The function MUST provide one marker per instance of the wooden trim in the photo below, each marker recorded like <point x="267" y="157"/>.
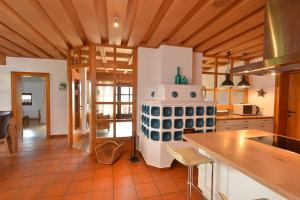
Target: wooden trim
<point x="2" y="59"/>
<point x="14" y="83"/>
<point x="59" y="136"/>
<point x="70" y="100"/>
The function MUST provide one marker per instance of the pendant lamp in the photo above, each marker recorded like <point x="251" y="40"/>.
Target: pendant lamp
<point x="244" y="83"/>
<point x="228" y="82"/>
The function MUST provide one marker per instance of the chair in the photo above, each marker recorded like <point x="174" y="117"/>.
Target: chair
<point x="4" y="120"/>
<point x="190" y="158"/>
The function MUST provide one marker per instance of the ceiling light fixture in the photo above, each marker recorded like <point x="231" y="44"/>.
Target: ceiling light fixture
<point x="116" y="21"/>
<point x="244" y="83"/>
<point x="228" y="82"/>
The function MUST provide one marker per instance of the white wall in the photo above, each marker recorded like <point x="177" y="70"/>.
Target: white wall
<point x="265" y="103"/>
<point x="58" y="98"/>
<point x="36" y="88"/>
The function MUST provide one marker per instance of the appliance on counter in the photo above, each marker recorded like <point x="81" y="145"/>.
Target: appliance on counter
<point x="280" y="142"/>
<point x="245" y="109"/>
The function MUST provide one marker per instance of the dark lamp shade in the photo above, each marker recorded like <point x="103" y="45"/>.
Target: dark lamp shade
<point x="228" y="82"/>
<point x="244" y="83"/>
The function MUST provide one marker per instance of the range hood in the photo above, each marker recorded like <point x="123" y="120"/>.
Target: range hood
<point x="281" y="39"/>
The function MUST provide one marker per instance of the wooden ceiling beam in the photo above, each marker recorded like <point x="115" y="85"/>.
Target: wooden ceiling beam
<point x="2" y="59"/>
<point x="19" y="40"/>
<point x="101" y="13"/>
<point x="10" y="45"/>
<point x="234" y="30"/>
<point x="248" y="51"/>
<point x="172" y="17"/>
<point x="87" y="16"/>
<point x="37" y="20"/>
<point x="231" y="16"/>
<point x="231" y="43"/>
<point x="59" y="16"/>
<point x="116" y="8"/>
<point x="15" y="22"/>
<point x="8" y="52"/>
<point x="205" y="14"/>
<point x="142" y="22"/>
<point x="129" y="19"/>
<point x="254" y="55"/>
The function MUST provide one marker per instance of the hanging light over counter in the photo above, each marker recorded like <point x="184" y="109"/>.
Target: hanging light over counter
<point x="244" y="83"/>
<point x="228" y="82"/>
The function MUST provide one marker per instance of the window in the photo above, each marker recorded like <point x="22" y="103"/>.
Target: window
<point x="27" y="99"/>
<point x="124" y="102"/>
<point x="212" y="77"/>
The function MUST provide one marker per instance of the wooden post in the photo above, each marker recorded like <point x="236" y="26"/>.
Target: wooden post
<point x="70" y="102"/>
<point x="134" y="100"/>
<point x="2" y="59"/>
<point x="92" y="77"/>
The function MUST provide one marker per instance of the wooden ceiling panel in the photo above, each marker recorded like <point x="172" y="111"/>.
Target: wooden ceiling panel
<point x="173" y="16"/>
<point x="231" y="16"/>
<point x="227" y="45"/>
<point x="205" y="14"/>
<point x="8" y="52"/>
<point x="59" y="16"/>
<point x="15" y="22"/>
<point x="101" y="13"/>
<point x="116" y="8"/>
<point x="11" y="35"/>
<point x="87" y="16"/>
<point x="10" y="45"/>
<point x="129" y="19"/>
<point x="30" y="11"/>
<point x="142" y="21"/>
<point x="236" y="29"/>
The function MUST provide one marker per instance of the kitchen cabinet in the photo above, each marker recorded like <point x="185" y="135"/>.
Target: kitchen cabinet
<point x="264" y="124"/>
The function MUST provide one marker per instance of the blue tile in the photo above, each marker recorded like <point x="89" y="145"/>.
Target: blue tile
<point x="155" y="111"/>
<point x="155" y="123"/>
<point x="167" y="111"/>
<point x="178" y="135"/>
<point x="147" y="110"/>
<point x="167" y="124"/>
<point x="189" y="111"/>
<point x="200" y="111"/>
<point x="199" y="122"/>
<point x="178" y="111"/>
<point x="166" y="136"/>
<point x="210" y="122"/>
<point x="154" y="135"/>
<point x="210" y="110"/>
<point x="178" y="123"/>
<point x="189" y="123"/>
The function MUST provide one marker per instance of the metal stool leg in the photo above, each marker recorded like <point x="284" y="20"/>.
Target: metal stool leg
<point x="212" y="181"/>
<point x="189" y="182"/>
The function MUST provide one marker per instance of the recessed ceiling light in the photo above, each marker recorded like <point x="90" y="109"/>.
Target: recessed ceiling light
<point x="116" y="22"/>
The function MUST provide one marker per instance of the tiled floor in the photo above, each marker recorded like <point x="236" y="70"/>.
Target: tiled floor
<point x="47" y="169"/>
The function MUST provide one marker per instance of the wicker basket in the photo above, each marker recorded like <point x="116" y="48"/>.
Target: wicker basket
<point x="108" y="152"/>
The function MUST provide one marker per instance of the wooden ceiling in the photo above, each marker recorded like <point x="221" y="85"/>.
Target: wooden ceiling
<point x="47" y="28"/>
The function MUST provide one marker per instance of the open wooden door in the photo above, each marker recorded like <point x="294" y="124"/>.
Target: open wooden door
<point x="16" y="101"/>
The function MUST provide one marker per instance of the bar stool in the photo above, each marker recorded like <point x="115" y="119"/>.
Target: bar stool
<point x="190" y="158"/>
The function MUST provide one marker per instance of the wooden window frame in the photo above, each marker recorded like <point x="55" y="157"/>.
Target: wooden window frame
<point x="216" y="90"/>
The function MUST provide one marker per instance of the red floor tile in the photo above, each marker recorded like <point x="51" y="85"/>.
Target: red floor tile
<point x="103" y="183"/>
<point x="80" y="186"/>
<point x="146" y="190"/>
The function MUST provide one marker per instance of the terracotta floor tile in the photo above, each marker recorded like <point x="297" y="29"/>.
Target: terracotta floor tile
<point x="9" y="194"/>
<point x="30" y="193"/>
<point x="142" y="177"/>
<point x="63" y="177"/>
<point x="121" y="170"/>
<point x="124" y="193"/>
<point x="181" y="183"/>
<point x="13" y="183"/>
<point x="56" y="189"/>
<point x="161" y="175"/>
<point x="78" y="196"/>
<point x="104" y="172"/>
<point x="54" y="198"/>
<point x="138" y="168"/>
<point x="173" y="196"/>
<point x="166" y="187"/>
<point x="80" y="186"/>
<point x="195" y="195"/>
<point x="102" y="194"/>
<point x="40" y="180"/>
<point x="125" y="180"/>
<point x="153" y="198"/>
<point x="146" y="190"/>
<point x="83" y="175"/>
<point x="102" y="183"/>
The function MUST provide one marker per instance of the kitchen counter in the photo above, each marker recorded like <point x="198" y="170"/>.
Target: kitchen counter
<point x="274" y="168"/>
<point x="237" y="117"/>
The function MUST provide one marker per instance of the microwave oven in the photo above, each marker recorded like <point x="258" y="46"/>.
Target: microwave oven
<point x="245" y="109"/>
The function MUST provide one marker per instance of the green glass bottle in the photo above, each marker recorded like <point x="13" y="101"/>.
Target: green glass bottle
<point x="178" y="76"/>
<point x="184" y="81"/>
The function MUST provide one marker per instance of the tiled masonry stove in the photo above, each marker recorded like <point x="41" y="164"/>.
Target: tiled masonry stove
<point x="169" y="110"/>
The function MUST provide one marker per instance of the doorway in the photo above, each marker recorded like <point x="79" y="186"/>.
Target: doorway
<point x="287" y="105"/>
<point x="30" y="92"/>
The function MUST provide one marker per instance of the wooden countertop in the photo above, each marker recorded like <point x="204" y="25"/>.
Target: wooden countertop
<point x="275" y="168"/>
<point x="236" y="117"/>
